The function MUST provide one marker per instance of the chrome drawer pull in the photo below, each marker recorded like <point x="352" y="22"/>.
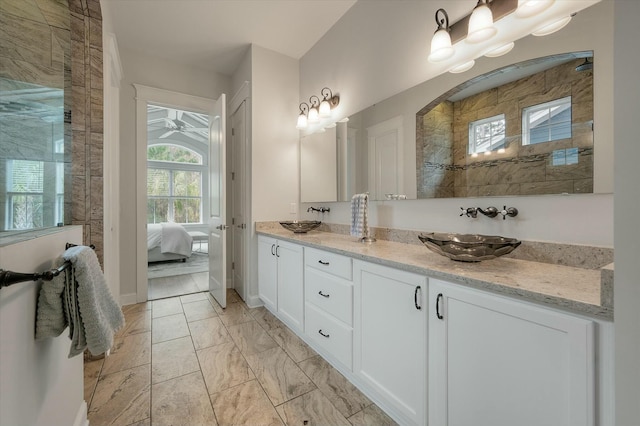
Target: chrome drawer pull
<point x="323" y="263"/>
<point x="322" y="294"/>
<point x="322" y="334"/>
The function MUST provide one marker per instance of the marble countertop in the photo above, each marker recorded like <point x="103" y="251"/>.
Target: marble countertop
<point x="573" y="289"/>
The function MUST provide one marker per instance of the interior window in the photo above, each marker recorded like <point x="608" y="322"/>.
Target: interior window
<point x="487" y="134"/>
<point x="547" y="122"/>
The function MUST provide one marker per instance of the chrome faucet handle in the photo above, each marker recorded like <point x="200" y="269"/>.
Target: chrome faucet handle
<point x="469" y="212"/>
<point x="511" y="212"/>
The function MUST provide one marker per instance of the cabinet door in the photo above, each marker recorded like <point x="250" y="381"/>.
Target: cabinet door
<point x="290" y="284"/>
<point x="496" y="361"/>
<point x="390" y="338"/>
<point x="267" y="272"/>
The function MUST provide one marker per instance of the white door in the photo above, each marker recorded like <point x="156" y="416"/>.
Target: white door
<point x="217" y="219"/>
<point x="290" y="289"/>
<point x="386" y="170"/>
<point x="238" y="194"/>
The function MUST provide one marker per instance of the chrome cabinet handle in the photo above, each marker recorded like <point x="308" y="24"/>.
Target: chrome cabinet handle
<point x="322" y="294"/>
<point x="438" y="314"/>
<point x="322" y="334"/>
<point x="323" y="263"/>
<point x="277" y="251"/>
<point x="415" y="298"/>
<point x="273" y="249"/>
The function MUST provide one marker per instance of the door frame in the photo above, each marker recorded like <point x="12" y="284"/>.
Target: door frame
<point x="244" y="95"/>
<point x="144" y="96"/>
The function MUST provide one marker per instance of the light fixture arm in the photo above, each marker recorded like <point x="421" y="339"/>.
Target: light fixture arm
<point x="314" y="102"/>
<point x="327" y="95"/>
<point x="443" y="21"/>
<point x="304" y="108"/>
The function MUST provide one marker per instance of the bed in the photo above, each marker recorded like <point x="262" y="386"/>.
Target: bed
<point x="168" y="241"/>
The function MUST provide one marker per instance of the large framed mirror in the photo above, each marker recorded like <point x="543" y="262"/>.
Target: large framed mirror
<point x="524" y="129"/>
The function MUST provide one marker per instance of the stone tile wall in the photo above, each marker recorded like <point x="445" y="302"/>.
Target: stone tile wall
<point x="86" y="120"/>
<point x="520" y="170"/>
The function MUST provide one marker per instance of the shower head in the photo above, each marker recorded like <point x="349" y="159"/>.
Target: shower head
<point x="585" y="66"/>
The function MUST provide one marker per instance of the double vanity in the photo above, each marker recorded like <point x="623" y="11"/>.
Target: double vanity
<point x="434" y="341"/>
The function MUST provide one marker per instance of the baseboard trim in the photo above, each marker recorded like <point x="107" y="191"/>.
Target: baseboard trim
<point x="128" y="299"/>
<point x="254" y="301"/>
<point x="81" y="416"/>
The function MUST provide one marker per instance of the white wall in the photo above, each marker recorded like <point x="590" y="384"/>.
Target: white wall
<point x="274" y="143"/>
<point x="161" y="74"/>
<point x="356" y="64"/>
<point x="627" y="231"/>
<point x="39" y="385"/>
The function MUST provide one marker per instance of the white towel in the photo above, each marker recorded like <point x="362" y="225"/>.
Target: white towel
<point x="94" y="315"/>
<point x="51" y="317"/>
<point x="359" y="220"/>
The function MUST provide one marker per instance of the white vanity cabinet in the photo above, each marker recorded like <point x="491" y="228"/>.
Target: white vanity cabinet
<point x="329" y="303"/>
<point x="390" y="338"/>
<point x="496" y="361"/>
<point x="281" y="281"/>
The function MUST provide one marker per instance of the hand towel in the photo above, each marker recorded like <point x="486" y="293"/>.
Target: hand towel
<point x="94" y="313"/>
<point x="359" y="221"/>
<point x="51" y="317"/>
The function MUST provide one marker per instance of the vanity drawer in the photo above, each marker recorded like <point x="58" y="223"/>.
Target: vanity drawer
<point x="329" y="293"/>
<point x="329" y="262"/>
<point x="330" y="334"/>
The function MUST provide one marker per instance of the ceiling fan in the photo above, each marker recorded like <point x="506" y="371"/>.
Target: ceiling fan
<point x="175" y="124"/>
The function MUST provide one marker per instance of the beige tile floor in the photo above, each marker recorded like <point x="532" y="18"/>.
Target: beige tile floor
<point x="186" y="361"/>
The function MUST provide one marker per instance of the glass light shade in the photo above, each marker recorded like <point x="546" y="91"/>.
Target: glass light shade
<point x="302" y="122"/>
<point x="325" y="109"/>
<point x="481" y="25"/>
<point x="499" y="51"/>
<point x="528" y="8"/>
<point x="462" y="68"/>
<point x="313" y="115"/>
<point x="552" y="27"/>
<point x="440" y="46"/>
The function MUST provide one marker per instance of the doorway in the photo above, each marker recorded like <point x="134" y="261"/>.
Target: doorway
<point x="177" y="205"/>
<point x="170" y="109"/>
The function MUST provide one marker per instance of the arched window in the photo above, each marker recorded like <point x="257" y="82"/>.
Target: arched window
<point x="174" y="184"/>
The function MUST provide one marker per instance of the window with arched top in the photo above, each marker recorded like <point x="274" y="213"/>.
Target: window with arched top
<point x="174" y="184"/>
<point x="173" y="154"/>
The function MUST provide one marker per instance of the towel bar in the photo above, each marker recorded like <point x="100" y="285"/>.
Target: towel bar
<point x="8" y="278"/>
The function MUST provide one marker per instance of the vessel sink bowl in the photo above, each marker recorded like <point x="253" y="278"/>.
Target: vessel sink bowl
<point x="469" y="247"/>
<point x="300" y="226"/>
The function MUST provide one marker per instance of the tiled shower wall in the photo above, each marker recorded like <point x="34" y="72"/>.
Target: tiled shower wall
<point x="86" y="119"/>
<point x="445" y="169"/>
<point x="34" y="48"/>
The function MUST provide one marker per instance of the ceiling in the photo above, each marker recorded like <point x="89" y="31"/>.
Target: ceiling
<point x="215" y="34"/>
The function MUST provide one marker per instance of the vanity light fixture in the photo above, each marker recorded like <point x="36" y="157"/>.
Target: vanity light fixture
<point x="552" y="27"/>
<point x="481" y="26"/>
<point x="463" y="67"/>
<point x="302" y="118"/>
<point x="329" y="102"/>
<point x="499" y="51"/>
<point x="528" y="8"/>
<point x="441" y="48"/>
<point x="314" y="115"/>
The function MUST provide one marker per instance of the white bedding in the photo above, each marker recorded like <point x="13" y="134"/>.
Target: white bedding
<point x="171" y="237"/>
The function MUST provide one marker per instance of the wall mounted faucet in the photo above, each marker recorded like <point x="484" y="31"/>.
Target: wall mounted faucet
<point x="319" y="209"/>
<point x="489" y="212"/>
